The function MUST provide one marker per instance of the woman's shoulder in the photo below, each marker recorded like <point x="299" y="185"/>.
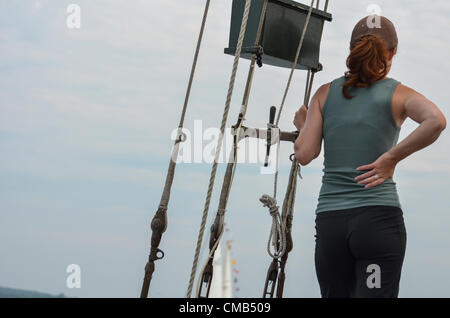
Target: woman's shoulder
<point x="322" y="93"/>
<point x="339" y="80"/>
<point x="323" y="90"/>
<point x="403" y="91"/>
<point x="401" y="97"/>
<point x="389" y="81"/>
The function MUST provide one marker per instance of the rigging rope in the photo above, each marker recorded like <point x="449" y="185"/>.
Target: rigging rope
<point x="210" y="257"/>
<point x="277" y="234"/>
<point x="219" y="145"/>
<point x="159" y="222"/>
<point x="229" y="176"/>
<point x="231" y="167"/>
<point x="277" y="268"/>
<point x="287" y="217"/>
<point x="294" y="65"/>
<point x="194" y="64"/>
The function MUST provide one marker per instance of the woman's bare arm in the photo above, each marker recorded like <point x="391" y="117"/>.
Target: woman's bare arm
<point x="309" y="143"/>
<point x="431" y="123"/>
<point x="427" y="114"/>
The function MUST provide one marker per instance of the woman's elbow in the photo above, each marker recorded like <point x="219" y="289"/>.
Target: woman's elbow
<point x="438" y="123"/>
<point x="443" y="123"/>
<point x="303" y="157"/>
<point x="306" y="152"/>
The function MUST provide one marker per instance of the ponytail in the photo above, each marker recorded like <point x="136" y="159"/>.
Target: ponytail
<point x="367" y="63"/>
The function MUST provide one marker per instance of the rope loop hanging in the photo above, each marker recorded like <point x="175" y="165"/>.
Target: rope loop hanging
<point x="278" y="230"/>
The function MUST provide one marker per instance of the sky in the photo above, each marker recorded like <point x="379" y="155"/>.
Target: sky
<point x="86" y="117"/>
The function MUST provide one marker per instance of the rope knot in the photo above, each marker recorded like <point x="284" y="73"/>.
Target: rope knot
<point x="271" y="203"/>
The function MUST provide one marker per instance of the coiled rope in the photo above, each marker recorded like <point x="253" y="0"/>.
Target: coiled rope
<point x="278" y="230"/>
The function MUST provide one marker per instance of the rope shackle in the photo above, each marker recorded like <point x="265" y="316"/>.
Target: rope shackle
<point x="271" y="279"/>
<point x="206" y="280"/>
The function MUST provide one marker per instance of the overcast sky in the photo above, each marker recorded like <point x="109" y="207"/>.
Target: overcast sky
<point x="85" y="122"/>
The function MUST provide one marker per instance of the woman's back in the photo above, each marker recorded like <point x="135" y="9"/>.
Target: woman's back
<point x="356" y="131"/>
<point x="359" y="224"/>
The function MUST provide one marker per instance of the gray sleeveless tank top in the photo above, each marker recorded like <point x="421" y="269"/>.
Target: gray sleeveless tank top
<point x="356" y="132"/>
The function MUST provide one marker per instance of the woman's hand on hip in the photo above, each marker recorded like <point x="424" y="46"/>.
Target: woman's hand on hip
<point x="379" y="171"/>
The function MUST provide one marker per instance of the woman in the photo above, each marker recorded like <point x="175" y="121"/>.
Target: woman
<point x="360" y="233"/>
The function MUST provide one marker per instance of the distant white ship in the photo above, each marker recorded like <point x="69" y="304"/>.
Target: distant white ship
<point x="221" y="281"/>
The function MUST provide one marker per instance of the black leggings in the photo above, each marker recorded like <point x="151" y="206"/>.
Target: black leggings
<point x="359" y="252"/>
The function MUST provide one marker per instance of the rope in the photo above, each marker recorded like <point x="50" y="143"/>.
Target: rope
<point x="219" y="145"/>
<point x="194" y="65"/>
<point x="171" y="171"/>
<point x="210" y="256"/>
<point x="289" y="200"/>
<point x="248" y="86"/>
<point x="231" y="167"/>
<point x="278" y="231"/>
<point x="308" y="77"/>
<point x="172" y="164"/>
<point x="326" y="6"/>
<point x="287" y="217"/>
<point x="294" y="65"/>
<point x="309" y="88"/>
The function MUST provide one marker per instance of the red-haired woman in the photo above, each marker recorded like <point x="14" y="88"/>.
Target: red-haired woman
<point x="360" y="233"/>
